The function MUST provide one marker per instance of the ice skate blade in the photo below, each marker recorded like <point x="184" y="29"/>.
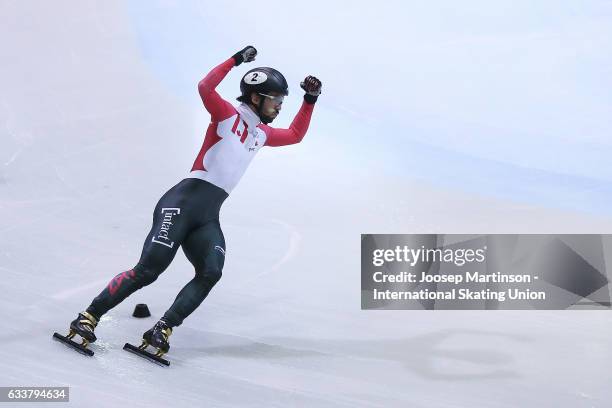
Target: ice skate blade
<point x="145" y="354"/>
<point x="73" y="345"/>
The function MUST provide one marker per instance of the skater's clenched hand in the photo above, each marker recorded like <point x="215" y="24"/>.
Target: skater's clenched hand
<point x="312" y="86"/>
<point x="247" y="54"/>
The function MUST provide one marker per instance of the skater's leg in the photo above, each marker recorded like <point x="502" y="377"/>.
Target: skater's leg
<point x="170" y="226"/>
<point x="205" y="249"/>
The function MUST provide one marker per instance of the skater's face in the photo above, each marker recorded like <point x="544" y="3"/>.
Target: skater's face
<point x="272" y="103"/>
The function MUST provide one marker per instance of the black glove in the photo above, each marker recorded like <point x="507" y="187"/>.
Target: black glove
<point x="247" y="54"/>
<point x="312" y="86"/>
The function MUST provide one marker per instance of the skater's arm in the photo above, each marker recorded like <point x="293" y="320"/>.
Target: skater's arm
<point x="297" y="129"/>
<point x="299" y="126"/>
<point x="218" y="107"/>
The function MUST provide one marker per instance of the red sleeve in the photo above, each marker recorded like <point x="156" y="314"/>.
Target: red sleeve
<point x="218" y="107"/>
<point x="295" y="133"/>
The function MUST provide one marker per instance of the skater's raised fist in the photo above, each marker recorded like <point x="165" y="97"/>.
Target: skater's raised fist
<point x="312" y="86"/>
<point x="247" y="54"/>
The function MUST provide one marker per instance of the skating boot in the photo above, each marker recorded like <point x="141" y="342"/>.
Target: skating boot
<point x="84" y="326"/>
<point x="156" y="337"/>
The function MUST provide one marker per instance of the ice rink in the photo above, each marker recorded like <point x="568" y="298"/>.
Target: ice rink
<point x="100" y="115"/>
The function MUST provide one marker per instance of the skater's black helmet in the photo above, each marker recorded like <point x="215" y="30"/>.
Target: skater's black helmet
<point x="262" y="80"/>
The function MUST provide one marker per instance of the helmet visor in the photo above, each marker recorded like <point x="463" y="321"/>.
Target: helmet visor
<point x="277" y="100"/>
